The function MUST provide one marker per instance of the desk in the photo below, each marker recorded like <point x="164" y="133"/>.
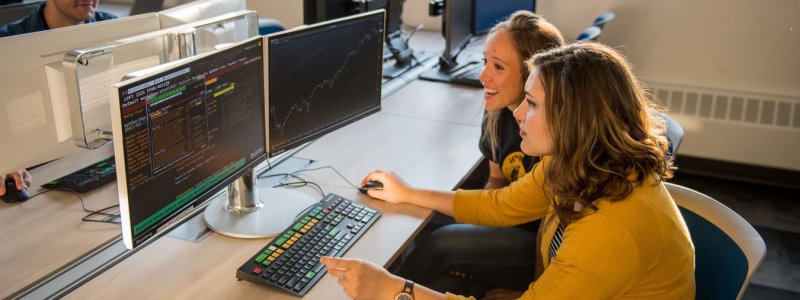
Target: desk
<point x="43" y="234"/>
<point x="430" y="141"/>
<point x="427" y="132"/>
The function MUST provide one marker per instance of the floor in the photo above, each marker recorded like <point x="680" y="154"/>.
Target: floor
<point x="775" y="213"/>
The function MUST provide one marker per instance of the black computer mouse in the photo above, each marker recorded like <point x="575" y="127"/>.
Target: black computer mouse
<point x="371" y="185"/>
<point x="12" y="193"/>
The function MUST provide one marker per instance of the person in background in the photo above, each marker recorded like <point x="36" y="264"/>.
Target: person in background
<point x="22" y="178"/>
<point x="54" y="14"/>
<point x="611" y="229"/>
<point x="451" y="256"/>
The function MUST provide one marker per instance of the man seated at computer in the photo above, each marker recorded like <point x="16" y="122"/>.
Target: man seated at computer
<point x="56" y="14"/>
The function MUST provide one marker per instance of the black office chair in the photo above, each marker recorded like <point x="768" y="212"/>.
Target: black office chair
<point x="146" y="6"/>
<point x="602" y="19"/>
<point x="13" y="12"/>
<point x="591" y="33"/>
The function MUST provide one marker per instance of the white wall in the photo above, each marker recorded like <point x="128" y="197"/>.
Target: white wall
<point x="733" y="48"/>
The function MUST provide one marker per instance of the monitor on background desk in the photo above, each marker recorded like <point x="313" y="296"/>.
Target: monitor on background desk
<point x="457" y="31"/>
<point x="397" y="49"/>
<point x="487" y="13"/>
<point x="34" y="111"/>
<point x="198" y="10"/>
<point x="90" y="71"/>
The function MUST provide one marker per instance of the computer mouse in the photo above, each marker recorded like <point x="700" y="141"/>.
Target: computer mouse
<point x="12" y="193"/>
<point x="371" y="185"/>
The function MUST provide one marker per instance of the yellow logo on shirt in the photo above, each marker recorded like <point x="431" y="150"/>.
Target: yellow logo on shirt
<point x="513" y="167"/>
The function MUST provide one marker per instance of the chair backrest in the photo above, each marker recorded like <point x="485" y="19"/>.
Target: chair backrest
<point x="674" y="134"/>
<point x="268" y="25"/>
<point x="591" y="33"/>
<point x="728" y="250"/>
<point x="146" y="6"/>
<point x="12" y="12"/>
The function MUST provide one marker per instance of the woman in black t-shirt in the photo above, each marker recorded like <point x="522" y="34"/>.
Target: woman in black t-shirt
<point x="469" y="259"/>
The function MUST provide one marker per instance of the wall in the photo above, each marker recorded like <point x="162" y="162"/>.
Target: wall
<point x="728" y="70"/>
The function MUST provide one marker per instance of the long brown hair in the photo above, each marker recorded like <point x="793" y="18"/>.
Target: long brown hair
<point x="607" y="137"/>
<point x="530" y="33"/>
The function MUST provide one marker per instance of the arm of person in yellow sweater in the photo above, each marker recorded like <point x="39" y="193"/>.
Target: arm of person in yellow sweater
<point x="598" y="259"/>
<point x="520" y="202"/>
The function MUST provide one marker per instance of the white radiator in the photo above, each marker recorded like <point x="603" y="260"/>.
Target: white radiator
<point x="750" y="128"/>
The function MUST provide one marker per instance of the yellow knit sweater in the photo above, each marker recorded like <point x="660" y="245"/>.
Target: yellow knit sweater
<point x="635" y="248"/>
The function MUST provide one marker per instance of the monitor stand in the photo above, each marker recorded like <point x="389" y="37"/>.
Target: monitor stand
<point x="255" y="212"/>
<point x="448" y="69"/>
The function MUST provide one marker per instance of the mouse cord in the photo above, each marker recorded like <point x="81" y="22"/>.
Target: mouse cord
<point x="86" y="218"/>
<point x="334" y="170"/>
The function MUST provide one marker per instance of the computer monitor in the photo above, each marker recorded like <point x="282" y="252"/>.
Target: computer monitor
<point x="340" y="64"/>
<point x="456" y="28"/>
<point x="198" y="10"/>
<point x="487" y="13"/>
<point x="396" y="45"/>
<point x="34" y="111"/>
<point x="183" y="133"/>
<point x="319" y="78"/>
<point x="457" y="31"/>
<point x="90" y="71"/>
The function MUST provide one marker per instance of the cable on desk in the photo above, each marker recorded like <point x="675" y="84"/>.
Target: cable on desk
<point x="333" y="169"/>
<point x="303" y="182"/>
<point x="83" y="206"/>
<point x="295" y="184"/>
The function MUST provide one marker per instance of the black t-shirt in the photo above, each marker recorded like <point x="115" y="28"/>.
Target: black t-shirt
<point x="513" y="163"/>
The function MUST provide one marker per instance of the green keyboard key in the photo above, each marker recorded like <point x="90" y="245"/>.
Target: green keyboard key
<point x="261" y="257"/>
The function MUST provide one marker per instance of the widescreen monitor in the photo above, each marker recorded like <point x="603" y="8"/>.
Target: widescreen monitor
<point x="340" y="64"/>
<point x="318" y="78"/>
<point x="34" y="110"/>
<point x="183" y="133"/>
<point x="487" y="13"/>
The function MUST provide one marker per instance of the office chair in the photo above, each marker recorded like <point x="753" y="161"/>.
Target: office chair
<point x="13" y="12"/>
<point x="602" y="19"/>
<point x="268" y="25"/>
<point x="728" y="250"/>
<point x="591" y="33"/>
<point x="146" y="6"/>
<point x="674" y="134"/>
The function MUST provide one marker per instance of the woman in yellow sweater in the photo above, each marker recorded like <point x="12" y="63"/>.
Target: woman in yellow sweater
<point x="611" y="230"/>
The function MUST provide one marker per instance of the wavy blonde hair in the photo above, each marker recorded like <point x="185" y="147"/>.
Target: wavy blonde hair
<point x="530" y="33"/>
<point x="607" y="135"/>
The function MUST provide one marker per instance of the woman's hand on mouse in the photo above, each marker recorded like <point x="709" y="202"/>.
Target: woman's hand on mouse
<point x="395" y="190"/>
